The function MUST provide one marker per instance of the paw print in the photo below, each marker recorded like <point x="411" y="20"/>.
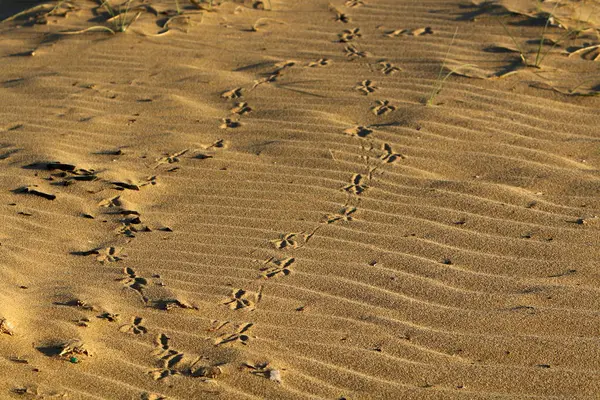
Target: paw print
<point x="321" y="62"/>
<point x="287" y="241"/>
<point x="134" y="282"/>
<point x="353" y="52"/>
<point x="135" y="327"/>
<point x="103" y="255"/>
<point x="232" y="94"/>
<point x="162" y="373"/>
<point x="168" y="357"/>
<point x="388" y="69"/>
<point x="345" y="214"/>
<point x="382" y="107"/>
<point x="360" y="131"/>
<point x="170" y="304"/>
<point x="109" y="254"/>
<point x="268" y="79"/>
<point x="228" y="123"/>
<point x="280" y="67"/>
<point x="389" y="156"/>
<point x="135" y="185"/>
<point x="171" y="158"/>
<point x="241" y="108"/>
<point x="366" y="87"/>
<point x="241" y="299"/>
<point x="265" y="370"/>
<point x="356" y="186"/>
<point x="274" y="267"/>
<point x="341" y="17"/>
<point x="240" y="334"/>
<point x="349" y="35"/>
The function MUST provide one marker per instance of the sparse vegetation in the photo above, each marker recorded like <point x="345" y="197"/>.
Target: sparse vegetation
<point x="442" y="75"/>
<point x="120" y="16"/>
<point x="39" y="14"/>
<point x="540" y="53"/>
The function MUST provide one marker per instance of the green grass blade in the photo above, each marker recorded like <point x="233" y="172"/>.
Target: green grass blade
<point x="439" y="81"/>
<point x="521" y="52"/>
<point x="538" y="61"/>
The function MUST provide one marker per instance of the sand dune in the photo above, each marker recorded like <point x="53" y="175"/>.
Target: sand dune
<point x="363" y="199"/>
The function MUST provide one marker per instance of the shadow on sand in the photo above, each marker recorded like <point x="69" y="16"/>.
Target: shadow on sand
<point x="12" y="7"/>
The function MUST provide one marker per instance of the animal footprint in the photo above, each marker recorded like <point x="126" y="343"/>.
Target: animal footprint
<point x="171" y="359"/>
<point x="341" y="17"/>
<point x="389" y="156"/>
<point x="81" y="304"/>
<point x="291" y="240"/>
<point x="135" y="327"/>
<point x="360" y="131"/>
<point x="354" y="3"/>
<point x="274" y="267"/>
<point x="366" y="87"/>
<point x="111" y="202"/>
<point x="206" y="372"/>
<point x="345" y="214"/>
<point x="239" y="334"/>
<point x="130" y="185"/>
<point x="279" y="67"/>
<point x="232" y="94"/>
<point x="70" y="350"/>
<point x="107" y="254"/>
<point x="170" y="304"/>
<point x="110" y="317"/>
<point x="286" y="241"/>
<point x="382" y="107"/>
<point x="173" y="362"/>
<point x="170" y="158"/>
<point x="162" y="342"/>
<point x="264" y="370"/>
<point x="218" y="325"/>
<point x="227" y="123"/>
<point x="353" y="52"/>
<point x="387" y="68"/>
<point x="241" y="108"/>
<point x="321" y="62"/>
<point x="54" y="165"/>
<point x="168" y="357"/>
<point x="355" y="185"/>
<point x="410" y="32"/>
<point x="395" y="33"/>
<point x="69" y="172"/>
<point x="162" y="373"/>
<point x="241" y="299"/>
<point x="132" y="225"/>
<point x="218" y="144"/>
<point x="349" y="35"/>
<point x="135" y="282"/>
<point x="268" y="79"/>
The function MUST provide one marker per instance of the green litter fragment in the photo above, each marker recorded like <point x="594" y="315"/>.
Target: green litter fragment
<point x="74" y="360"/>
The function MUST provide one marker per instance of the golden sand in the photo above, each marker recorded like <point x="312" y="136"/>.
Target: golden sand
<point x="363" y="199"/>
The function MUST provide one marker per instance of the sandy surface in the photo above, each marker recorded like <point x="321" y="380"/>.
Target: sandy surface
<point x="247" y="203"/>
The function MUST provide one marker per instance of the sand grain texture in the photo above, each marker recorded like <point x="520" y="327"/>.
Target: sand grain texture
<point x="255" y="202"/>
